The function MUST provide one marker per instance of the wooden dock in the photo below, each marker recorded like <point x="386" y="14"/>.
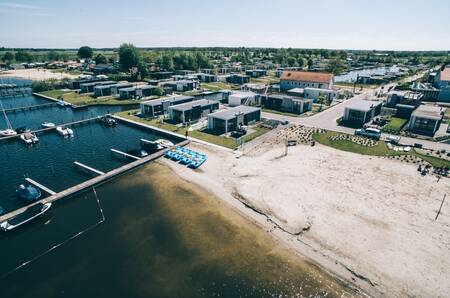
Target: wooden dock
<point x="28" y="108"/>
<point x="43" y="130"/>
<point x="40" y="186"/>
<point x="88" y="169"/>
<point x="92" y="182"/>
<point x="116" y="152"/>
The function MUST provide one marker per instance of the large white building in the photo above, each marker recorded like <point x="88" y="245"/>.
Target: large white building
<point x="306" y="79"/>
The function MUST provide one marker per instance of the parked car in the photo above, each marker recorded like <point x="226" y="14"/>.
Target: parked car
<point x="393" y="139"/>
<point x="369" y="132"/>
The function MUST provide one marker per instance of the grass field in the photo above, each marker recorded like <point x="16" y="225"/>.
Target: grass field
<point x="265" y="80"/>
<point x="85" y="99"/>
<point x="217" y="86"/>
<point x="395" y="125"/>
<point x="279" y="113"/>
<point x="379" y="150"/>
<point x="223" y="141"/>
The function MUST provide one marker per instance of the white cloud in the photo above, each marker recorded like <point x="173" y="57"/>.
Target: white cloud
<point x="22" y="9"/>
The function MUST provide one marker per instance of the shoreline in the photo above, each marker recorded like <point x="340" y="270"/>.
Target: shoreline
<point x="279" y="235"/>
<point x="344" y="263"/>
<point x="36" y="74"/>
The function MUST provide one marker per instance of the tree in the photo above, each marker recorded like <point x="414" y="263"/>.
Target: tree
<point x="167" y="63"/>
<point x="128" y="56"/>
<point x="23" y="56"/>
<point x="291" y="61"/>
<point x="8" y="57"/>
<point x="335" y="66"/>
<point x="53" y="56"/>
<point x="100" y="59"/>
<point x="300" y="62"/>
<point x="323" y="100"/>
<point x="158" y="91"/>
<point x="85" y="52"/>
<point x="310" y="63"/>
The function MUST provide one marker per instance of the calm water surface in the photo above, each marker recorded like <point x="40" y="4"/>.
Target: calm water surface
<point x="352" y="75"/>
<point x="162" y="238"/>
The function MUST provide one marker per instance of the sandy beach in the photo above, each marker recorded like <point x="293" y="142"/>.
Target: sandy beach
<point x="368" y="220"/>
<point x="37" y="74"/>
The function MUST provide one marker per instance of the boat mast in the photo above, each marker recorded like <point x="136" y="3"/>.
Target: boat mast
<point x="8" y="123"/>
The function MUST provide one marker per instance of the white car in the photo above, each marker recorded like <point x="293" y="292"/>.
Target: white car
<point x="369" y="132"/>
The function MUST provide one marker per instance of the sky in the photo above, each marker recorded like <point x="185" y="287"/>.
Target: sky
<point x="344" y="24"/>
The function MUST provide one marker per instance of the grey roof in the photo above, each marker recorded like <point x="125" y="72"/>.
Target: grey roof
<point x="363" y="105"/>
<point x="231" y="113"/>
<point x="104" y="86"/>
<point x="173" y="99"/>
<point x="189" y="105"/>
<point x="429" y="112"/>
<point x="296" y="90"/>
<point x="127" y="89"/>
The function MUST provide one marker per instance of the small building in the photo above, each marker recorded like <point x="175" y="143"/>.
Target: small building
<point x="231" y="119"/>
<point x="256" y="73"/>
<point x="89" y="87"/>
<point x="297" y="92"/>
<point x="238" y="79"/>
<point x="152" y="108"/>
<point x="181" y="85"/>
<point x="429" y="92"/>
<point x="103" y="90"/>
<point x="360" y="111"/>
<point x="75" y="84"/>
<point x="242" y="98"/>
<point x="255" y="87"/>
<point x="207" y="78"/>
<point x="315" y="93"/>
<point x="303" y="79"/>
<point x="289" y="104"/>
<point x="192" y="111"/>
<point x="136" y="92"/>
<point x="426" y="119"/>
<point x="104" y="69"/>
<point x="161" y="75"/>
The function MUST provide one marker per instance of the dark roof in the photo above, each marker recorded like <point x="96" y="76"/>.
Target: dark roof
<point x="189" y="105"/>
<point x="231" y="113"/>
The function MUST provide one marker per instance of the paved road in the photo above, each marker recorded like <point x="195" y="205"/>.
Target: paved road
<point x="327" y="119"/>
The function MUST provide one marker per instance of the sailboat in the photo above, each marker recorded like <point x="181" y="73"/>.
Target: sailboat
<point x="8" y="131"/>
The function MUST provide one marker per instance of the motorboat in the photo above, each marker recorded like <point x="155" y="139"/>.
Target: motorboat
<point x="28" y="215"/>
<point x="64" y="131"/>
<point x="29" y="138"/>
<point x="108" y="121"/>
<point x="9" y="131"/>
<point x="62" y="103"/>
<point x="164" y="143"/>
<point x="48" y="125"/>
<point x="29" y="193"/>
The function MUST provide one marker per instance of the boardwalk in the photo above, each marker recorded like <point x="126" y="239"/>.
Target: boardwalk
<point x="40" y="186"/>
<point x="33" y="107"/>
<point x="92" y="182"/>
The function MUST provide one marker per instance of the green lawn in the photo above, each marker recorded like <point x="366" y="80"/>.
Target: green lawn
<point x="207" y="137"/>
<point x="379" y="150"/>
<point x="317" y="108"/>
<point x="259" y="131"/>
<point x="216" y="86"/>
<point x="395" y="125"/>
<point x="85" y="99"/>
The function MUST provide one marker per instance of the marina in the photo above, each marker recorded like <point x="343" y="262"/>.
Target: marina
<point x="93" y="140"/>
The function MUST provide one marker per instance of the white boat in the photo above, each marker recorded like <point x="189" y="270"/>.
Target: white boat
<point x="62" y="103"/>
<point x="48" y="125"/>
<point x="8" y="131"/>
<point x="29" y="138"/>
<point x="164" y="143"/>
<point x="64" y="131"/>
<point x="24" y="217"/>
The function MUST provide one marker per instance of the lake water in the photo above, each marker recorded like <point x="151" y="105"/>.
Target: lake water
<point x="162" y="238"/>
<point x="351" y="76"/>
